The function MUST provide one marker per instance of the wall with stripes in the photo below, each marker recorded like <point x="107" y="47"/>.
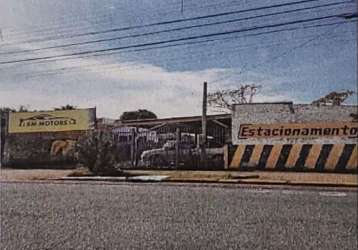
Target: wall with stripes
<point x="296" y="157"/>
<point x="316" y="152"/>
<point x="277" y="114"/>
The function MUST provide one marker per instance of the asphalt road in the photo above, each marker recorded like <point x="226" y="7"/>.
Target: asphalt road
<point x="170" y="216"/>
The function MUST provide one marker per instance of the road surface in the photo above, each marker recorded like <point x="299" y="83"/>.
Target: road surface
<point x="175" y="216"/>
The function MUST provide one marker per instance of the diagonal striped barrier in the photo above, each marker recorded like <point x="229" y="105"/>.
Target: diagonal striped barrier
<point x="311" y="157"/>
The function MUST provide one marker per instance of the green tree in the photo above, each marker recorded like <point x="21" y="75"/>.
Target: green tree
<point x="66" y="107"/>
<point x="137" y="115"/>
<point x="97" y="151"/>
<point x="23" y="108"/>
<point x="6" y="109"/>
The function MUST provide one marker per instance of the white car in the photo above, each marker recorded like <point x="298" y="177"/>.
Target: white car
<point x="189" y="154"/>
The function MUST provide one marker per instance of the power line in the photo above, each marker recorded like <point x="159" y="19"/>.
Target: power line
<point x="171" y="40"/>
<point x="67" y="20"/>
<point x="280" y="55"/>
<point x="197" y="42"/>
<point x="173" y="30"/>
<point x="89" y="25"/>
<point x="74" y="18"/>
<point x="103" y="68"/>
<point x="98" y="66"/>
<point x="189" y="43"/>
<point x="164" y="22"/>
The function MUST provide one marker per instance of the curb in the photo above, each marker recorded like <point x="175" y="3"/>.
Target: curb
<point x="206" y="180"/>
<point x="144" y="178"/>
<point x="90" y="178"/>
<point x="266" y="182"/>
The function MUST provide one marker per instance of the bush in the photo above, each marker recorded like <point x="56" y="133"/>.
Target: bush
<point x="97" y="151"/>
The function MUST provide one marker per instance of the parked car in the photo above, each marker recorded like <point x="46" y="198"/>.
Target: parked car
<point x="189" y="155"/>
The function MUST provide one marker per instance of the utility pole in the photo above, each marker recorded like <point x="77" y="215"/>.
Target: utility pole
<point x="133" y="148"/>
<point x="4" y="118"/>
<point x="0" y="139"/>
<point x="204" y="125"/>
<point x="182" y="7"/>
<point x="177" y="147"/>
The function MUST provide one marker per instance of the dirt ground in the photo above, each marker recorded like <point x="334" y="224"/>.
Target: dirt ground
<point x="258" y="176"/>
<point x="9" y="174"/>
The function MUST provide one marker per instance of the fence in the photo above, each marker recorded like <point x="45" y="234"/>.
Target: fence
<point x="162" y="143"/>
<point x="169" y="147"/>
<point x="2" y="136"/>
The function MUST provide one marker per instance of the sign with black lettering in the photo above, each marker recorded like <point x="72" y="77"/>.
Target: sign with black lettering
<point x="303" y="131"/>
<point x="299" y="130"/>
<point x="51" y="121"/>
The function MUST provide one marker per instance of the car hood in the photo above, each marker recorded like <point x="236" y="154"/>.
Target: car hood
<point x="150" y="152"/>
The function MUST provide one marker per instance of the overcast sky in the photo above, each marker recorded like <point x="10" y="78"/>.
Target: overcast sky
<point x="301" y="62"/>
